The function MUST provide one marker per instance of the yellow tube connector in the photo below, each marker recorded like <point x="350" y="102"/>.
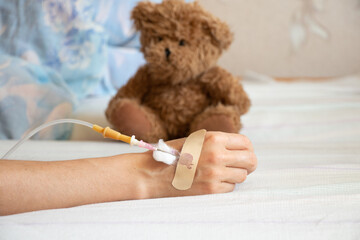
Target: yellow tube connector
<point x="110" y="133"/>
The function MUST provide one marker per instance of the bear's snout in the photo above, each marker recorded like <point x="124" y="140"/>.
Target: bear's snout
<point x="167" y="52"/>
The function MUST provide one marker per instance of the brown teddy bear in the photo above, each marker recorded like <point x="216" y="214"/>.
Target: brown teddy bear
<point x="180" y="89"/>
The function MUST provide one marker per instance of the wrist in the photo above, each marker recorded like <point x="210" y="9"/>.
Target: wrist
<point x="123" y="176"/>
<point x="156" y="177"/>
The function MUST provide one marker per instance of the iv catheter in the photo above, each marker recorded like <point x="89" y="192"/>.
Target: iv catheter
<point x="110" y="133"/>
<point x="107" y="132"/>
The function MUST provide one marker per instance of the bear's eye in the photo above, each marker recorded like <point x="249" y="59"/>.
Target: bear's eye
<point x="182" y="42"/>
<point x="159" y="39"/>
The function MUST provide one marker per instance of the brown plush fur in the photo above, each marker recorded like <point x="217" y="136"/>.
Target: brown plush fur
<point x="180" y="89"/>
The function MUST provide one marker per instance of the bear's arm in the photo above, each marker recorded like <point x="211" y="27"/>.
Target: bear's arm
<point x="136" y="87"/>
<point x="223" y="87"/>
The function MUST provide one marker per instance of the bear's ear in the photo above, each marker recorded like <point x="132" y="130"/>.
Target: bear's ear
<point x="218" y="31"/>
<point x="141" y="13"/>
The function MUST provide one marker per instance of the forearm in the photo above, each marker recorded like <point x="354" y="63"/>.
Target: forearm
<point x="32" y="185"/>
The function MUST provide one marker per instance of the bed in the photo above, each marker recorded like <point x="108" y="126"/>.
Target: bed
<point x="306" y="135"/>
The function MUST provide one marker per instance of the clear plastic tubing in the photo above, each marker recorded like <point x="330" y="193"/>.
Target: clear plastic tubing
<point x="41" y="127"/>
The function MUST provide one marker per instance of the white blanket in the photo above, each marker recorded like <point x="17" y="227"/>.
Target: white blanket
<point x="307" y="185"/>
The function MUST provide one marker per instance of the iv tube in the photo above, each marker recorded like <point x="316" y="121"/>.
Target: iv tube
<point x="41" y="127"/>
<point x="107" y="132"/>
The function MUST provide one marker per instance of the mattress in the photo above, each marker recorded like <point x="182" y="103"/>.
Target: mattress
<point x="307" y="185"/>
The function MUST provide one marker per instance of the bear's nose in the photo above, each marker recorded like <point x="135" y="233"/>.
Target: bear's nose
<point x="167" y="52"/>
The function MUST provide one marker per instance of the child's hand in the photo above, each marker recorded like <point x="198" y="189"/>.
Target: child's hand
<point x="226" y="159"/>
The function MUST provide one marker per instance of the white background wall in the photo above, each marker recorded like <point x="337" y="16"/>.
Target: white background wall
<point x="263" y="36"/>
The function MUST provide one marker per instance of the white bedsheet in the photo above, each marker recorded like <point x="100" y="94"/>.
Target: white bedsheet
<point x="324" y="111"/>
<point x="307" y="185"/>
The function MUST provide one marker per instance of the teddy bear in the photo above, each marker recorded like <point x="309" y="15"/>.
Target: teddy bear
<point x="180" y="89"/>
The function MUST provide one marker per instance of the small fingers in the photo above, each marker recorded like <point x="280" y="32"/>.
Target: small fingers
<point x="220" y="187"/>
<point x="227" y="187"/>
<point x="238" y="142"/>
<point x="211" y="187"/>
<point x="241" y="159"/>
<point x="234" y="175"/>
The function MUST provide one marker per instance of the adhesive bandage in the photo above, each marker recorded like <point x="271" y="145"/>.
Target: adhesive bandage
<point x="188" y="161"/>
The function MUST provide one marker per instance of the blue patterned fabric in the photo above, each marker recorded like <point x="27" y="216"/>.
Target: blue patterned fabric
<point x="30" y="95"/>
<point x="51" y="54"/>
<point x="114" y="16"/>
<point x="62" y="35"/>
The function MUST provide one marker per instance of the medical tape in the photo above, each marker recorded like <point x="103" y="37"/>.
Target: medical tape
<point x="188" y="161"/>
